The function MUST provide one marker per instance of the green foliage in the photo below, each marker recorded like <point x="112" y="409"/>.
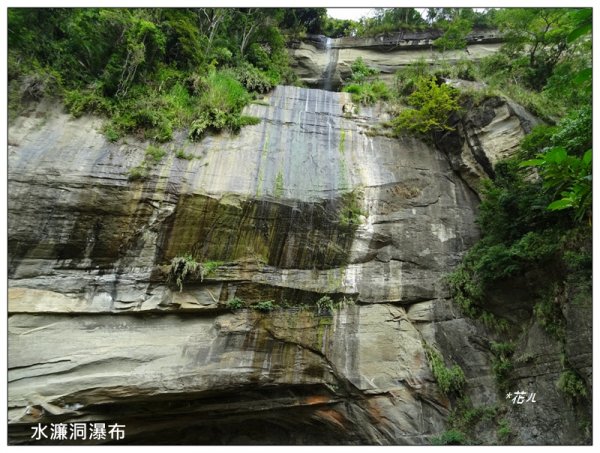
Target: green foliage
<point x="236" y="303"/>
<point x="455" y="35"/>
<point x="538" y="63"/>
<point x="304" y="20"/>
<point x="155" y="153"/>
<point x="465" y="69"/>
<point x="265" y="306"/>
<point x="502" y="365"/>
<point x="325" y="304"/>
<point x="149" y="71"/>
<point x="337" y="28"/>
<point x="220" y="105"/>
<point x="186" y="267"/>
<point x="139" y="173"/>
<point x="465" y="417"/>
<point x="253" y="79"/>
<point x="549" y="314"/>
<point x="209" y="267"/>
<point x="537" y="140"/>
<point x="432" y="104"/>
<point x="183" y="267"/>
<point x="360" y="71"/>
<point x="368" y="93"/>
<point x="538" y="33"/>
<point x="518" y="234"/>
<point x="181" y="154"/>
<point x="504" y="432"/>
<point x="350" y="210"/>
<point x="341" y="146"/>
<point x="574" y="132"/>
<point x="238" y="122"/>
<point x="571" y="384"/>
<point x="406" y="79"/>
<point x="567" y="176"/>
<point x="364" y="90"/>
<point x="566" y="166"/>
<point x="79" y="102"/>
<point x="450" y="380"/>
<point x="390" y="20"/>
<point x="502" y="348"/>
<point x="450" y="437"/>
<point x="279" y="188"/>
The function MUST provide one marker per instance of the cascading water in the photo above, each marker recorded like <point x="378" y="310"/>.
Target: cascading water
<point x="332" y="59"/>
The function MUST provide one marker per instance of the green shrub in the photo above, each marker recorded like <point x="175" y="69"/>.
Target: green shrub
<point x="549" y="315"/>
<point x="112" y="135"/>
<point x="504" y="432"/>
<point x="155" y="153"/>
<point x="502" y="348"/>
<point x="406" y="78"/>
<point x="455" y="35"/>
<point x="465" y="417"/>
<point x="502" y="365"/>
<point x="365" y="91"/>
<point x="150" y="73"/>
<point x="209" y="267"/>
<point x="224" y="93"/>
<point x="183" y="267"/>
<point x="265" y="306"/>
<point x="571" y="384"/>
<point x="360" y="71"/>
<point x="538" y="139"/>
<point x="350" y="210"/>
<point x="139" y="173"/>
<point x="325" y="303"/>
<point x="221" y="105"/>
<point x="432" y="104"/>
<point x="568" y="178"/>
<point x="236" y="122"/>
<point x="181" y="154"/>
<point x="79" y="102"/>
<point x="368" y="93"/>
<point x="465" y="70"/>
<point x="450" y="380"/>
<point x="253" y="79"/>
<point x="235" y="303"/>
<point x="450" y="437"/>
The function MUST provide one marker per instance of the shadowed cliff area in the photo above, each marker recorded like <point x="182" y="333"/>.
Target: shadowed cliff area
<point x="208" y="254"/>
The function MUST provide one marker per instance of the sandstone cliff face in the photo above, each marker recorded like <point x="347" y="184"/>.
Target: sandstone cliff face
<point x="483" y="135"/>
<point x="302" y="205"/>
<point x="387" y="53"/>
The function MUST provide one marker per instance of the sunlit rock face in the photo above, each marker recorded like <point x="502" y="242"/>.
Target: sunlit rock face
<point x="310" y="202"/>
<point x="321" y="62"/>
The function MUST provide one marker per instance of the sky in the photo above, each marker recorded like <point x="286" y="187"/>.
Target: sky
<point x="349" y="13"/>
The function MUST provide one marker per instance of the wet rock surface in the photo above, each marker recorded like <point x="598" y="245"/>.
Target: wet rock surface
<point x="321" y="62"/>
<point x="300" y="206"/>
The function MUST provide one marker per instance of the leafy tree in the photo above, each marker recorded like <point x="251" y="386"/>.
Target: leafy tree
<point x="432" y="104"/>
<point x="337" y="28"/>
<point x="568" y="176"/>
<point x="388" y="20"/>
<point x="455" y="35"/>
<point x="539" y="33"/>
<point x="149" y="70"/>
<point x="310" y="20"/>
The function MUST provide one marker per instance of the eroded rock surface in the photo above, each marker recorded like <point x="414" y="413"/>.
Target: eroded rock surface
<point x="302" y="205"/>
<point x="312" y="58"/>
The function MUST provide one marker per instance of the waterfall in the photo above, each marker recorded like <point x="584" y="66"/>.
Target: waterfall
<point x="331" y="55"/>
